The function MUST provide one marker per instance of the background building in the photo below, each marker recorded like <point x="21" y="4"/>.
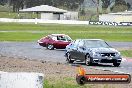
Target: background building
<point x="117" y="17"/>
<point x="51" y="13"/>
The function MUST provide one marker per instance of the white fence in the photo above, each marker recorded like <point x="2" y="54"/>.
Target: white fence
<point x="44" y="21"/>
<point x="116" y="17"/>
<point x="35" y="21"/>
<point x="21" y="80"/>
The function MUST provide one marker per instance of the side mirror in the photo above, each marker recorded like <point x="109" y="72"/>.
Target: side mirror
<point x="82" y="47"/>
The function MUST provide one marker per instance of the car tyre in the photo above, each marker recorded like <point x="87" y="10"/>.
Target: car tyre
<point x="69" y="58"/>
<point x="88" y="60"/>
<point x="50" y="46"/>
<point x="116" y="64"/>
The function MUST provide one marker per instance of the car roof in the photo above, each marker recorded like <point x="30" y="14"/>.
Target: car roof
<point x="91" y="39"/>
<point x="57" y="34"/>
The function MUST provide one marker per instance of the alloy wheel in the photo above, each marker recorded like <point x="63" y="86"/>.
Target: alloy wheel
<point x="50" y="46"/>
<point x="88" y="60"/>
<point x="69" y="58"/>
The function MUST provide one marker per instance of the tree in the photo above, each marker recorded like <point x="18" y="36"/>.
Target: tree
<point x="119" y="6"/>
<point x="17" y="4"/>
<point x="105" y="4"/>
<point x="128" y="5"/>
<point x="3" y="2"/>
<point x="20" y="4"/>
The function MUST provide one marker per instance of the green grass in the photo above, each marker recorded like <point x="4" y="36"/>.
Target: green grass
<point x="5" y="8"/>
<point x="126" y="53"/>
<point x="17" y="36"/>
<point x="24" y="32"/>
<point x="61" y="84"/>
<point x="64" y="83"/>
<point x="8" y="15"/>
<point x="16" y="16"/>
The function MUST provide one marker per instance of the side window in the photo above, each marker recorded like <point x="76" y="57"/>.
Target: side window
<point x="76" y="43"/>
<point x="62" y="38"/>
<point x="48" y="37"/>
<point x="54" y="38"/>
<point x="81" y="43"/>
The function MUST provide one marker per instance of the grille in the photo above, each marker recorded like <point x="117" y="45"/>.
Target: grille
<point x="107" y="54"/>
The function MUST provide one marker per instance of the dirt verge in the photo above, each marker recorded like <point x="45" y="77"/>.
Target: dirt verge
<point x="52" y="71"/>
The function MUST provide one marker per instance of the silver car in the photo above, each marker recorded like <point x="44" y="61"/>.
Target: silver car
<point x="92" y="51"/>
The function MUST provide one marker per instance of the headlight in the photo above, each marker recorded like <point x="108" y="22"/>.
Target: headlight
<point x="96" y="54"/>
<point x="117" y="54"/>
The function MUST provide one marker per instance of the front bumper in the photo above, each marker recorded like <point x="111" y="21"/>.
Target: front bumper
<point x="107" y="60"/>
<point x="41" y="43"/>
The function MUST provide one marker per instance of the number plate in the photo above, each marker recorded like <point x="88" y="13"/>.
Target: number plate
<point x="109" y="58"/>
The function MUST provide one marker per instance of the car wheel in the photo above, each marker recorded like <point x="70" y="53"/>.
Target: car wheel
<point x="116" y="64"/>
<point x="50" y="46"/>
<point x="88" y="60"/>
<point x="69" y="58"/>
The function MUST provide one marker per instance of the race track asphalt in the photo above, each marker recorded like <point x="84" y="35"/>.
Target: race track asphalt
<point x="31" y="50"/>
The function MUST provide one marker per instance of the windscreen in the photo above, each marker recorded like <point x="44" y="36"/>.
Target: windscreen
<point x="96" y="44"/>
<point x="68" y="38"/>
